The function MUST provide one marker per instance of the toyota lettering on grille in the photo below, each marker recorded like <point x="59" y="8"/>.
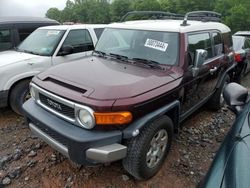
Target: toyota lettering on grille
<point x="54" y="104"/>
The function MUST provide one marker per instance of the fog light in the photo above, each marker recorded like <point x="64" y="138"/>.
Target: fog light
<point x="86" y="119"/>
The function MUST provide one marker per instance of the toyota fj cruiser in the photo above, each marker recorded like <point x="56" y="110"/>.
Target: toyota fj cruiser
<point x="127" y="100"/>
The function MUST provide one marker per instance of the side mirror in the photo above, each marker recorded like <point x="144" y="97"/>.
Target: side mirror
<point x="66" y="50"/>
<point x="200" y="57"/>
<point x="235" y="97"/>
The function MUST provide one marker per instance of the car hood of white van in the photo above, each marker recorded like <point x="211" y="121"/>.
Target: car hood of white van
<point x="11" y="57"/>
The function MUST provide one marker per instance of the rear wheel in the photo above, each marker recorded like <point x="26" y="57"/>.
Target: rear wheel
<point x="19" y="94"/>
<point x="147" y="151"/>
<point x="217" y="100"/>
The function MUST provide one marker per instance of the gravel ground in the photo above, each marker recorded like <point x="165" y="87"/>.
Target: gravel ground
<point x="26" y="161"/>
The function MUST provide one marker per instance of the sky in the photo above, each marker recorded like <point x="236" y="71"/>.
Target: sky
<point x="29" y="7"/>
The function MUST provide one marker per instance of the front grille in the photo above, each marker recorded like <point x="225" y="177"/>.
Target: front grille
<point x="57" y="106"/>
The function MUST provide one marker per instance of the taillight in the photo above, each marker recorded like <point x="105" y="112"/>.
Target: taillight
<point x="237" y="58"/>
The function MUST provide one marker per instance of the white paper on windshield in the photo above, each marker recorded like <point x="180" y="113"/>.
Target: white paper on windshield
<point x="52" y="33"/>
<point x="155" y="44"/>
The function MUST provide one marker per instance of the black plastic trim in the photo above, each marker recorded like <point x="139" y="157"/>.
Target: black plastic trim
<point x="76" y="139"/>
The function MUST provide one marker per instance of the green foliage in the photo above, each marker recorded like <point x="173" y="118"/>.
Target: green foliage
<point x="54" y="13"/>
<point x="120" y="8"/>
<point x="146" y="5"/>
<point x="235" y="12"/>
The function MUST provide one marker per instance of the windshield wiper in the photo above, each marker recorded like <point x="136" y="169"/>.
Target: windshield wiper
<point x="26" y="51"/>
<point x="120" y="57"/>
<point x="149" y="63"/>
<point x="99" y="53"/>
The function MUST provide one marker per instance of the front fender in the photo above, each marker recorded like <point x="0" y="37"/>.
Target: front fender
<point x="18" y="77"/>
<point x="134" y="128"/>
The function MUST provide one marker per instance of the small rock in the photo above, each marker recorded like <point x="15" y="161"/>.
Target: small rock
<point x="38" y="146"/>
<point x="32" y="153"/>
<point x="31" y="163"/>
<point x="53" y="157"/>
<point x="34" y="137"/>
<point x="186" y="156"/>
<point x="26" y="178"/>
<point x="17" y="154"/>
<point x="15" y="173"/>
<point x="192" y="173"/>
<point x="3" y="160"/>
<point x="6" y="181"/>
<point x="125" y="177"/>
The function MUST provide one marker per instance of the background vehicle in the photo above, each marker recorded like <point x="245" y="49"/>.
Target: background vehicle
<point x="14" y="30"/>
<point x="45" y="47"/>
<point x="231" y="164"/>
<point x="241" y="47"/>
<point x="242" y="33"/>
<point x="127" y="100"/>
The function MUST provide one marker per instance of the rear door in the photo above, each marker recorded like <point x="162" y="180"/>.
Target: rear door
<point x="6" y="39"/>
<point x="80" y="40"/>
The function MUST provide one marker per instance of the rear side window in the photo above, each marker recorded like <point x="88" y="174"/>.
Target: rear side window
<point x="24" y="32"/>
<point x="247" y="43"/>
<point x="98" y="32"/>
<point x="5" y="39"/>
<point x="199" y="41"/>
<point x="218" y="45"/>
<point x="80" y="40"/>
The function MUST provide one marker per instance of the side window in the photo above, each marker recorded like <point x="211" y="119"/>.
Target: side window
<point x="5" y="39"/>
<point x="247" y="43"/>
<point x="80" y="40"/>
<point x="199" y="41"/>
<point x="98" y="32"/>
<point x="218" y="45"/>
<point x="24" y="32"/>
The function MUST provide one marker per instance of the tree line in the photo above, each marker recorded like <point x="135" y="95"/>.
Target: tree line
<point x="234" y="12"/>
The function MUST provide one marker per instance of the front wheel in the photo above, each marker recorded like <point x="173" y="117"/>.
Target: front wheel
<point x="147" y="151"/>
<point x="19" y="94"/>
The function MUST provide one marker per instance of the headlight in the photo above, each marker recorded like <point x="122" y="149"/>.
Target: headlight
<point x="86" y="118"/>
<point x="32" y="92"/>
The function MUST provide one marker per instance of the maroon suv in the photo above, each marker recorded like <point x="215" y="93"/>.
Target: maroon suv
<point x="127" y="100"/>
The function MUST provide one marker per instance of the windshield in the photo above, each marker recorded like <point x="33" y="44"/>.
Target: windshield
<point x="159" y="47"/>
<point x="41" y="42"/>
<point x="238" y="42"/>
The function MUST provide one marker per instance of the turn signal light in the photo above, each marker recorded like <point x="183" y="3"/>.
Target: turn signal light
<point x="113" y="118"/>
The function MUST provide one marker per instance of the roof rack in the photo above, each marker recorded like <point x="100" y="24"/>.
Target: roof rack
<point x="201" y="16"/>
<point x="155" y="15"/>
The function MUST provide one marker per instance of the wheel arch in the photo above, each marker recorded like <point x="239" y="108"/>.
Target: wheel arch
<point x="171" y="110"/>
<point x="14" y="84"/>
<point x="230" y="72"/>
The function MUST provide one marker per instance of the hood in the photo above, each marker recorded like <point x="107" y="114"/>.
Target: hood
<point x="10" y="57"/>
<point x="106" y="79"/>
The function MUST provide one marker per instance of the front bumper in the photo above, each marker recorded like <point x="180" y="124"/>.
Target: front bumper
<point x="4" y="98"/>
<point x="82" y="146"/>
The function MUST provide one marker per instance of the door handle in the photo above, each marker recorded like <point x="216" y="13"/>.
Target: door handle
<point x="30" y="63"/>
<point x="213" y="70"/>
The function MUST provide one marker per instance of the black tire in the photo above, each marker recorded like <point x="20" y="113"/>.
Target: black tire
<point x="135" y="163"/>
<point x="216" y="102"/>
<point x="18" y="96"/>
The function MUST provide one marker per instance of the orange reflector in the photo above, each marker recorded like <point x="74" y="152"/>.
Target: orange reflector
<point x="113" y="118"/>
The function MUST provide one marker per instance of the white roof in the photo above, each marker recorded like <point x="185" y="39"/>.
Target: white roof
<point x="77" y="26"/>
<point x="170" y="25"/>
<point x="242" y="33"/>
